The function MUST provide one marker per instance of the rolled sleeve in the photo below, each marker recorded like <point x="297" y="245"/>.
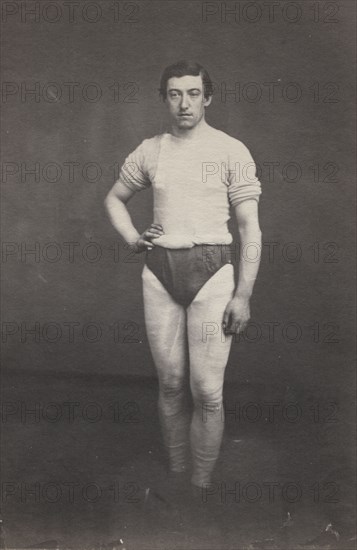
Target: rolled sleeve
<point x="134" y="172"/>
<point x="243" y="183"/>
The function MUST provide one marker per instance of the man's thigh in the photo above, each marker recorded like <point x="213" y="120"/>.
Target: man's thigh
<point x="209" y="347"/>
<point x="165" y="322"/>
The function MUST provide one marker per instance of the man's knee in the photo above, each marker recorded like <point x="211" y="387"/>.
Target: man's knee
<point x="172" y="387"/>
<point x="207" y="396"/>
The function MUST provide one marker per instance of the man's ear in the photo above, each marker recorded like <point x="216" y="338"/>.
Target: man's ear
<point x="207" y="101"/>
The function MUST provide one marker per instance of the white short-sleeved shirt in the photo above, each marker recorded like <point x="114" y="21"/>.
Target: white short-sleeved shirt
<point x="194" y="183"/>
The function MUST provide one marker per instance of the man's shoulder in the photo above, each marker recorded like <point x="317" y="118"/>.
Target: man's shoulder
<point x="149" y="145"/>
<point x="228" y="141"/>
<point x="152" y="140"/>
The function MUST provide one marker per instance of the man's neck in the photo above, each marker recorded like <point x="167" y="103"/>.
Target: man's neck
<point x="190" y="133"/>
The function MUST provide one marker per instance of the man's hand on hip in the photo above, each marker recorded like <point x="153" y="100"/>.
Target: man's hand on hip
<point x="144" y="242"/>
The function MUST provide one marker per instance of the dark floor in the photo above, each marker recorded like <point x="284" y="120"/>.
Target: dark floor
<point x="97" y="478"/>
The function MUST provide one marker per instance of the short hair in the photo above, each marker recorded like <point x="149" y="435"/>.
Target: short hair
<point x="183" y="68"/>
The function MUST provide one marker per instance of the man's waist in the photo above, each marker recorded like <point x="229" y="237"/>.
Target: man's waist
<point x="188" y="240"/>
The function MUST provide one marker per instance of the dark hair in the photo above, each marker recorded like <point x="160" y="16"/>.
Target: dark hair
<point x="183" y="68"/>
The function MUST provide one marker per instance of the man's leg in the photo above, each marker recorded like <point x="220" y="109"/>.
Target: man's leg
<point x="166" y="330"/>
<point x="208" y="351"/>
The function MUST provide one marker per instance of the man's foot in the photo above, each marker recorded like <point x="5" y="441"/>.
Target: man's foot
<point x="167" y="499"/>
<point x="206" y="499"/>
<point x="328" y="539"/>
<point x="331" y="539"/>
<point x="173" y="490"/>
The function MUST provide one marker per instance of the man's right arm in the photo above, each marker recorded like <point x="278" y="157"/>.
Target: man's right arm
<point x="115" y="203"/>
<point x="134" y="176"/>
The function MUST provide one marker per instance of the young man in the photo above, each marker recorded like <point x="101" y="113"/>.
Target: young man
<point x="197" y="173"/>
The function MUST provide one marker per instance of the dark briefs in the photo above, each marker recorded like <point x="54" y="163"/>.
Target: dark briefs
<point x="184" y="271"/>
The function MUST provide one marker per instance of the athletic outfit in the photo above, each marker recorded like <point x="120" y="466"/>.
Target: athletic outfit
<point x="184" y="271"/>
<point x="188" y="279"/>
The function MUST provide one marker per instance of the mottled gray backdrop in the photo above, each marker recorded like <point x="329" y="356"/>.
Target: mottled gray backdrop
<point x="94" y="72"/>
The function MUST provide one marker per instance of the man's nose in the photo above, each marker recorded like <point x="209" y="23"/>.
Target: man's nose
<point x="184" y="102"/>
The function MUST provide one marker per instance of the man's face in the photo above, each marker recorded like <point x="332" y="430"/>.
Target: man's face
<point x="185" y="101"/>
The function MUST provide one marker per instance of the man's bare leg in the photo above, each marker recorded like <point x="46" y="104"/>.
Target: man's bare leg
<point x="209" y="351"/>
<point x="166" y="330"/>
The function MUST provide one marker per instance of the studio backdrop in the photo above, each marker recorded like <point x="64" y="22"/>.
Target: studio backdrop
<point x="80" y="92"/>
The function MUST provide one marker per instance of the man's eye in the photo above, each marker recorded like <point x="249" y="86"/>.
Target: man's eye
<point x="173" y="95"/>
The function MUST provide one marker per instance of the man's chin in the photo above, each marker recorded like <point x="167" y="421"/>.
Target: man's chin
<point x="185" y="123"/>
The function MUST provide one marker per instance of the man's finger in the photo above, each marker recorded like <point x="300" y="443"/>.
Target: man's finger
<point x="148" y="244"/>
<point x="225" y="319"/>
<point x="226" y="323"/>
<point x="241" y="326"/>
<point x="152" y="233"/>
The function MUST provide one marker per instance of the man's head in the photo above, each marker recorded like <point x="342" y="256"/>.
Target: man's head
<point x="187" y="89"/>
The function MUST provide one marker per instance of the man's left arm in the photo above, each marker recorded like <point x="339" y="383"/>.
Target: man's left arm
<point x="237" y="313"/>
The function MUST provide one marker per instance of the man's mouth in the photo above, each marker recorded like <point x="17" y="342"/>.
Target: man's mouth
<point x="184" y="115"/>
